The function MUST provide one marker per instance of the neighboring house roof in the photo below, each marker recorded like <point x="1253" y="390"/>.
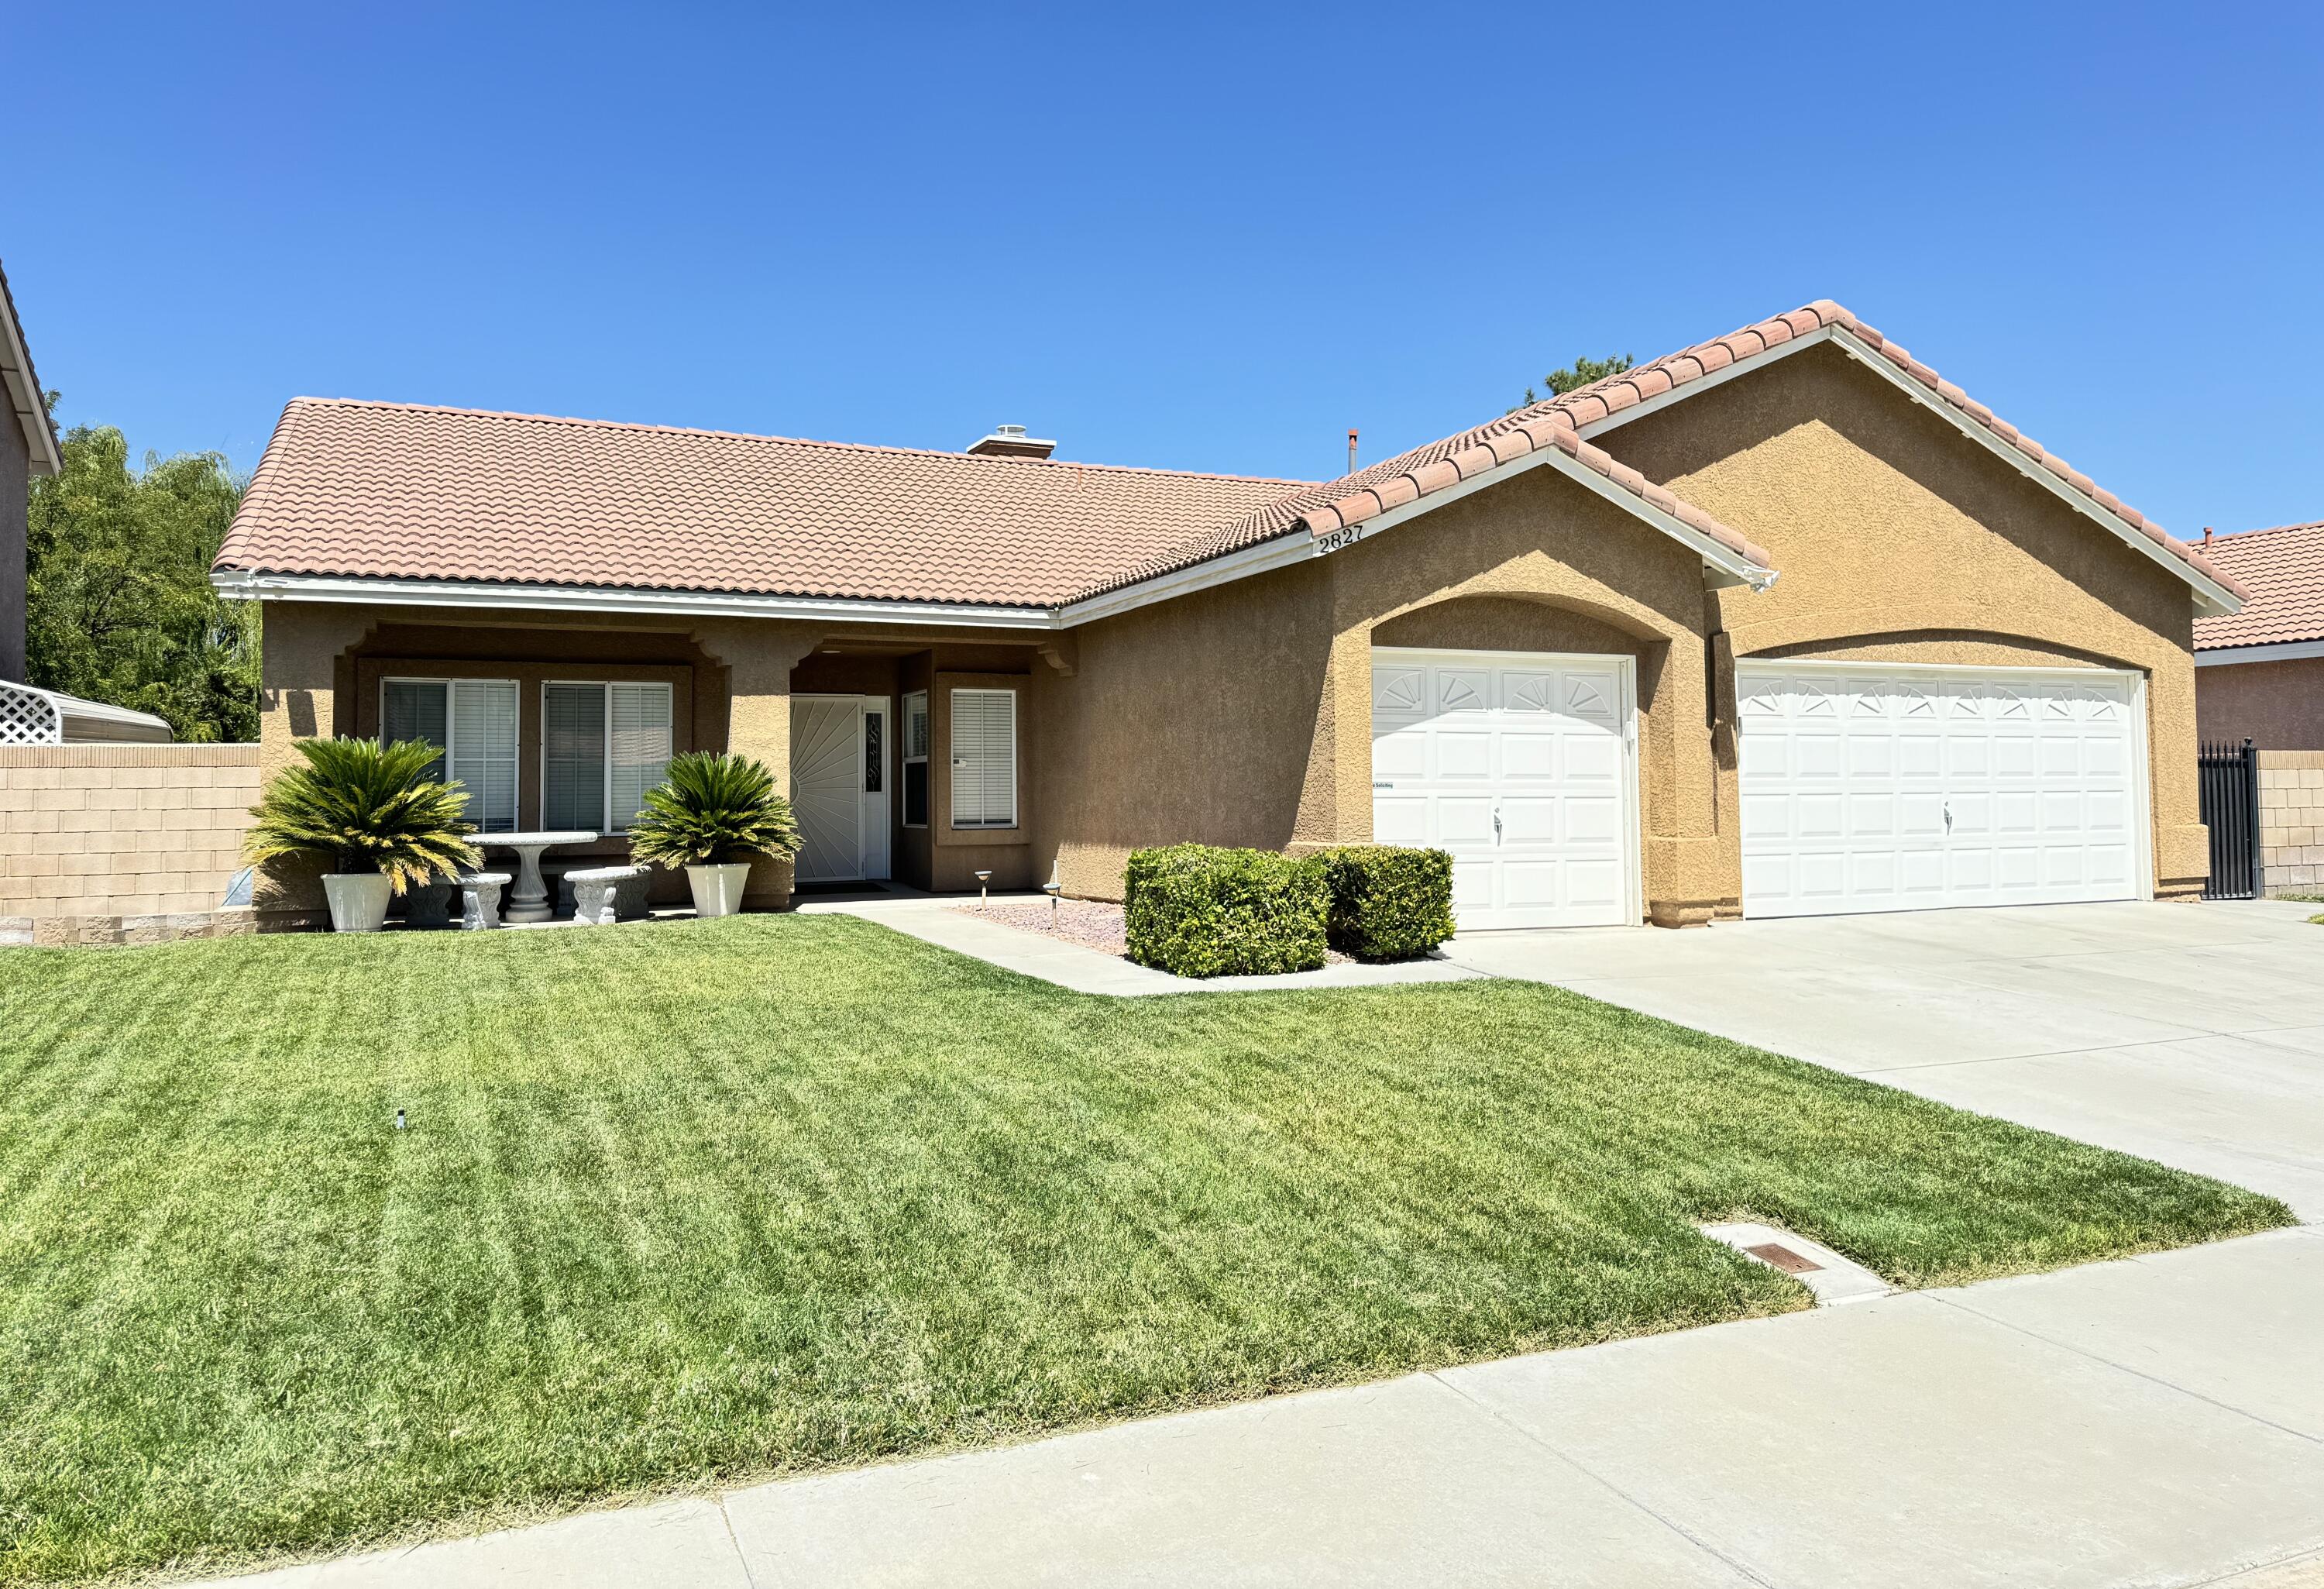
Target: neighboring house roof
<point x="23" y="384"/>
<point x="2283" y="571"/>
<point x="400" y="491"/>
<point x="394" y="491"/>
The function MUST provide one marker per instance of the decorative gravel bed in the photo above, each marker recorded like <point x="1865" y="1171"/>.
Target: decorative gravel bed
<point x="1089" y="923"/>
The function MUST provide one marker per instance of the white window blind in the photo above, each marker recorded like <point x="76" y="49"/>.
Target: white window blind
<point x="483" y="749"/>
<point x="639" y="716"/>
<point x="916" y="724"/>
<point x="573" y="756"/>
<point x="983" y="758"/>
<point x="602" y="747"/>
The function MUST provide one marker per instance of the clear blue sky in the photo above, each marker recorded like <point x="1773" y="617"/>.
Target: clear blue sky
<point x="1169" y="235"/>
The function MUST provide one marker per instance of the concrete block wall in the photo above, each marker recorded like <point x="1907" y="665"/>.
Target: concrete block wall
<point x="2291" y="821"/>
<point x="128" y="830"/>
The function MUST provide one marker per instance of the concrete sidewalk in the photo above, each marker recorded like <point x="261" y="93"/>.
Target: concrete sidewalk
<point x="2157" y="1422"/>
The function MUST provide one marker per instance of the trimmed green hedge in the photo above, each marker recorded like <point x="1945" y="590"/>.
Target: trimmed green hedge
<point x="1193" y="910"/>
<point x="1387" y="903"/>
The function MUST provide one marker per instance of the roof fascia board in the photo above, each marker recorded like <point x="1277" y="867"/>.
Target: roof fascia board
<point x="35" y="415"/>
<point x="2282" y="651"/>
<point x="560" y="598"/>
<point x="1278" y="551"/>
<point x="1721" y="567"/>
<point x="1686" y="388"/>
<point x="1721" y="563"/>
<point x="2211" y="598"/>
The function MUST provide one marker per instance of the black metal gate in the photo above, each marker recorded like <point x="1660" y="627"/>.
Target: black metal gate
<point x="2230" y="775"/>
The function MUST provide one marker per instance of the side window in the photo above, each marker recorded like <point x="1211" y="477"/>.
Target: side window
<point x="915" y="759"/>
<point x="984" y="758"/>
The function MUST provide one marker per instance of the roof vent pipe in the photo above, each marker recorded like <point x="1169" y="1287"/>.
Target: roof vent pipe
<point x="1009" y="441"/>
<point x="1351" y="449"/>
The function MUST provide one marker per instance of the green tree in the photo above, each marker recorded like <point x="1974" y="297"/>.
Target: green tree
<point x="1580" y="372"/>
<point x="118" y="598"/>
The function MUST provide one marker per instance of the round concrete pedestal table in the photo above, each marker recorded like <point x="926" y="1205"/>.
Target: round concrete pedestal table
<point x="529" y="900"/>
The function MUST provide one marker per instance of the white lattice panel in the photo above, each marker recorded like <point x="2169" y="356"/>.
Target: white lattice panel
<point x="27" y="717"/>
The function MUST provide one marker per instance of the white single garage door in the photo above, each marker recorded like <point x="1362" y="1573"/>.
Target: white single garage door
<point x="1872" y="789"/>
<point x="1521" y="765"/>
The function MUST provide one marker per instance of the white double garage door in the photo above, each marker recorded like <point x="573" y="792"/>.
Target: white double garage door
<point x="1863" y="788"/>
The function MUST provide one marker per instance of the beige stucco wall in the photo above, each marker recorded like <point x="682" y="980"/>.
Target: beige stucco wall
<point x="121" y="829"/>
<point x="1899" y="540"/>
<point x="1242" y="715"/>
<point x="2277" y="706"/>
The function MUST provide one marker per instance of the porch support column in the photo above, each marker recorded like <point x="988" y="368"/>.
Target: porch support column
<point x="306" y="682"/>
<point x="759" y="655"/>
<point x="1335" y="803"/>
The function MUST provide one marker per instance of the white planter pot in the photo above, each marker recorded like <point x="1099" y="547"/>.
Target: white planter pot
<point x="717" y="889"/>
<point x="358" y="901"/>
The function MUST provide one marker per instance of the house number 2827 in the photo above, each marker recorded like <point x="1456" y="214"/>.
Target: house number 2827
<point x="1338" y="539"/>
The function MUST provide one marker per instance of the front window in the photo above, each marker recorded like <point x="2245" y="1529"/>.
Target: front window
<point x="984" y="758"/>
<point x="602" y="747"/>
<point x="471" y="724"/>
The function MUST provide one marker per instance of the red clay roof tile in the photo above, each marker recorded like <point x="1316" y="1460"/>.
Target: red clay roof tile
<point x="2283" y="571"/>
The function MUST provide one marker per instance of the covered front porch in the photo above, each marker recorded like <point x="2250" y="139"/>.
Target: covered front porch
<point x="906" y="749"/>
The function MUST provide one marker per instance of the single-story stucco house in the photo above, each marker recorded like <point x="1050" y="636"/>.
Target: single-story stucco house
<point x="1783" y="623"/>
<point x="2262" y="675"/>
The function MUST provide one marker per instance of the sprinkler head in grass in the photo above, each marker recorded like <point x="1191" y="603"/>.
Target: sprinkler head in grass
<point x="399" y="1119"/>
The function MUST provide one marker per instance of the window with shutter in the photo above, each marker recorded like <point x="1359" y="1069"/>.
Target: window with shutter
<point x="984" y="758"/>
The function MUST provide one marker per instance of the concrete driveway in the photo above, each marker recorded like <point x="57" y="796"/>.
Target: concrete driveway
<point x="2188" y="1033"/>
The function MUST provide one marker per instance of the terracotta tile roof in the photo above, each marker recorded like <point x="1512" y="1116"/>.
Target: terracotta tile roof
<point x="1603" y="398"/>
<point x="1558" y="421"/>
<point x="1391" y="483"/>
<point x="2284" y="571"/>
<point x="394" y="489"/>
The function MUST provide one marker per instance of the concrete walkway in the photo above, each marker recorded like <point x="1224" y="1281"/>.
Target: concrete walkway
<point x="1084" y="970"/>
<point x="2188" y="1034"/>
<point x="2159" y="1421"/>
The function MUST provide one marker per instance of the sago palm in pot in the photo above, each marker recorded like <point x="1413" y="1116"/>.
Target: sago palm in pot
<point x="710" y="814"/>
<point x="371" y="813"/>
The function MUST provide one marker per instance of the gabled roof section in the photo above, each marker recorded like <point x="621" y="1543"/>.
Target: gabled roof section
<point x="2283" y="571"/>
<point x="398" y="491"/>
<point x="21" y="384"/>
<point x="1466" y="458"/>
<point x="1617" y="398"/>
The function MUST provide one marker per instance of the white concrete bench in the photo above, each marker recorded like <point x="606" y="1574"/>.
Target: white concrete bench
<point x="480" y="899"/>
<point x="603" y="895"/>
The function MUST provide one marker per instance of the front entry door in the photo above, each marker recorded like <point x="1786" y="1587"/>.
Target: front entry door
<point x="839" y="748"/>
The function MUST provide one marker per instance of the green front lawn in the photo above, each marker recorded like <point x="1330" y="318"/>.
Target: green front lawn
<point x="773" y="1193"/>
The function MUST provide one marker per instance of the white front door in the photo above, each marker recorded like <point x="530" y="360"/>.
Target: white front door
<point x="839" y="786"/>
<point x="1871" y="788"/>
<point x="1522" y="766"/>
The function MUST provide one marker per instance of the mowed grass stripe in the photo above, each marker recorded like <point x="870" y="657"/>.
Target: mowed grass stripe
<point x="770" y="1195"/>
